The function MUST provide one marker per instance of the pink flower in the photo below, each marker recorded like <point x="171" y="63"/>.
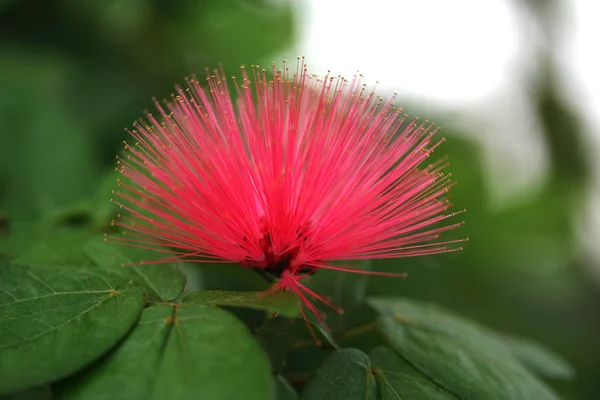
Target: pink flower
<point x="295" y="173"/>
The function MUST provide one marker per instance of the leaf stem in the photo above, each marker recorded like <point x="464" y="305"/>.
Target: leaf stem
<point x="357" y="331"/>
<point x="267" y="276"/>
<point x="349" y="334"/>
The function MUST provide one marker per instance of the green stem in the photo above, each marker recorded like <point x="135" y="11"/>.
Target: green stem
<point x="267" y="276"/>
<point x="358" y="331"/>
<point x="354" y="332"/>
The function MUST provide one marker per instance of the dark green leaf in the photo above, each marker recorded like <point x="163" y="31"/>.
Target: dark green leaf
<point x="539" y="359"/>
<point x="127" y="372"/>
<point x="532" y="355"/>
<point x="349" y="289"/>
<point x="195" y="352"/>
<point x="164" y="282"/>
<point x="459" y="355"/>
<point x="399" y="380"/>
<point x="33" y="393"/>
<point x="4" y="3"/>
<point x="346" y="290"/>
<point x="56" y="320"/>
<point x="345" y="375"/>
<point x="301" y="362"/>
<point x="284" y="390"/>
<point x="350" y="374"/>
<point x="211" y="355"/>
<point x="277" y="336"/>
<point x="284" y="303"/>
<point x="323" y="334"/>
<point x="281" y="336"/>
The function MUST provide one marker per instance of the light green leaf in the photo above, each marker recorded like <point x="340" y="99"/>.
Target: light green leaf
<point x="193" y="351"/>
<point x="460" y="356"/>
<point x="163" y="282"/>
<point x="54" y="321"/>
<point x="539" y="359"/>
<point x="284" y="303"/>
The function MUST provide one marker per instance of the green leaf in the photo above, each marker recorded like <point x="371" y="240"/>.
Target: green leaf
<point x="211" y="355"/>
<point x="60" y="247"/>
<point x="284" y="303"/>
<point x="127" y="372"/>
<point x="462" y="357"/>
<point x="350" y="374"/>
<point x="532" y="355"/>
<point x="284" y="390"/>
<point x="349" y="289"/>
<point x="4" y="3"/>
<point x="163" y="282"/>
<point x="346" y="290"/>
<point x="33" y="393"/>
<point x="281" y="336"/>
<point x="345" y="375"/>
<point x="539" y="359"/>
<point x="196" y="351"/>
<point x="277" y="336"/>
<point x="54" y="321"/>
<point x="398" y="379"/>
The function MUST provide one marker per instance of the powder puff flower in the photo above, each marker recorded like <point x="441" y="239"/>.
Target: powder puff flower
<point x="288" y="175"/>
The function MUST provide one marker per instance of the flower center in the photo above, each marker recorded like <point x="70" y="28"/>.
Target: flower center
<point x="275" y="264"/>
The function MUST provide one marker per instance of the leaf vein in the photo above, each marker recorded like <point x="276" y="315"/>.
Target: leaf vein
<point x="9" y="293"/>
<point x="55" y="294"/>
<point x="97" y="304"/>
<point x="40" y="280"/>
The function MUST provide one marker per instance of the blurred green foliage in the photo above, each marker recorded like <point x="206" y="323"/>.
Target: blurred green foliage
<point x="78" y="72"/>
<point x="74" y="73"/>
